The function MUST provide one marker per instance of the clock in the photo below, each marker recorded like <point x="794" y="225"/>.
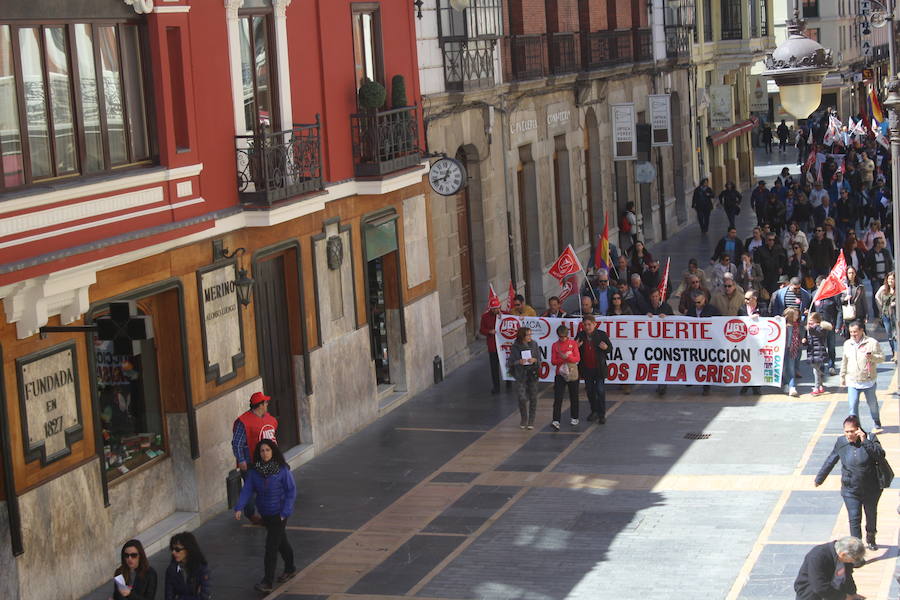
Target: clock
<point x="447" y="176"/>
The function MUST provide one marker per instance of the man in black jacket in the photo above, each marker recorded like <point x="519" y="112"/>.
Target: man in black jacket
<point x="594" y="346"/>
<point x="730" y="245"/>
<point x="827" y="571"/>
<point x="821" y="252"/>
<point x="658" y="308"/>
<point x="701" y="309"/>
<point x="702" y="202"/>
<point x="772" y="260"/>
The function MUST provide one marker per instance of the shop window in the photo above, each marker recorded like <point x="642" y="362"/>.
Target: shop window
<point x="74" y="100"/>
<point x="130" y="407"/>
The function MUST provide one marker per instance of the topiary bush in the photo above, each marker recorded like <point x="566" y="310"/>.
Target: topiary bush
<point x="372" y="95"/>
<point x="398" y="92"/>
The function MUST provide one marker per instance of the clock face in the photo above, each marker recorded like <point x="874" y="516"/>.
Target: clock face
<point x="447" y="176"/>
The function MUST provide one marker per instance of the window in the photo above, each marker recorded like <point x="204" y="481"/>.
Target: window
<point x="130" y="407"/>
<point x="707" y="21"/>
<point x="754" y="18"/>
<point x="367" y="43"/>
<point x="258" y="71"/>
<point x="763" y="17"/>
<point x="812" y="33"/>
<point x="810" y="8"/>
<point x="73" y="100"/>
<point x="732" y="23"/>
<point x="482" y="19"/>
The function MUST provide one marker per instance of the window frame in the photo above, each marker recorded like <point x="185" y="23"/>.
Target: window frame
<point x="77" y="99"/>
<point x="731" y="20"/>
<point x="374" y="8"/>
<point x="274" y="90"/>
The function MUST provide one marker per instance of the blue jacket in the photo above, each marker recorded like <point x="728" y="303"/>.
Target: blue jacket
<point x="776" y="306"/>
<point x="275" y="494"/>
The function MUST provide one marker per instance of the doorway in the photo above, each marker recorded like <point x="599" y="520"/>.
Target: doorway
<point x="384" y="303"/>
<point x="466" y="267"/>
<point x="678" y="160"/>
<point x="273" y="335"/>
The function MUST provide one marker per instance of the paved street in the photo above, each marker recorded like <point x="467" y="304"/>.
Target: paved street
<point x="445" y="497"/>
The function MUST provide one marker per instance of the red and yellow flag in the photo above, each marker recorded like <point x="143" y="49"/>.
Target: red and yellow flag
<point x="601" y="254"/>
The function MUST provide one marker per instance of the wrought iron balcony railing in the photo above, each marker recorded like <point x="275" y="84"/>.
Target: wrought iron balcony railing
<point x="385" y="141"/>
<point x="564" y="57"/>
<point x="678" y="41"/>
<point x="601" y="49"/>
<point x="468" y="64"/>
<point x="643" y="45"/>
<point x="528" y="56"/>
<point x="277" y="165"/>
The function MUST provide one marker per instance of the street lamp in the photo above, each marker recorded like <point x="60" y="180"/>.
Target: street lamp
<point x="892" y="102"/>
<point x="798" y="66"/>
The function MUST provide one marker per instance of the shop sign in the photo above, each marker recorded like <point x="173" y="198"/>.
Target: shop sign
<point x="624" y="132"/>
<point x="661" y="120"/>
<point x="721" y="106"/>
<point x="220" y="319"/>
<point x="558" y="117"/>
<point x="49" y="403"/>
<point x="759" y="93"/>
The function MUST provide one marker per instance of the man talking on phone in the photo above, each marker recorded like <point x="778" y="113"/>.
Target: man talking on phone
<point x="859" y="372"/>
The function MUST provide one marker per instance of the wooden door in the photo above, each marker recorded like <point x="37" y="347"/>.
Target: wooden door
<point x="273" y="340"/>
<point x="465" y="260"/>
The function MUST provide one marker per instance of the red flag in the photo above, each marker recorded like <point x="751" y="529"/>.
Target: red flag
<point x="835" y="283"/>
<point x="569" y="287"/>
<point x="811" y="159"/>
<point x="493" y="298"/>
<point x="511" y="297"/>
<point x="567" y="264"/>
<point x="664" y="283"/>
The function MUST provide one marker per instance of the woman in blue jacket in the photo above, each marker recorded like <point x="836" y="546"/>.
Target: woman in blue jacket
<point x="271" y="480"/>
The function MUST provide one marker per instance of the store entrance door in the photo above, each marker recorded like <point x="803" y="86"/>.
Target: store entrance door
<point x="273" y="342"/>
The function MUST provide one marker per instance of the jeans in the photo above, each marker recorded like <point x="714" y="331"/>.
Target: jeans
<point x="559" y="388"/>
<point x="526" y="391"/>
<point x="595" y="386"/>
<point x="818" y="375"/>
<point x="495" y="371"/>
<point x="888" y="322"/>
<point x="855" y="507"/>
<point x="853" y="397"/>
<point x="789" y="370"/>
<point x="731" y="215"/>
<point x="277" y="543"/>
<point x="703" y="219"/>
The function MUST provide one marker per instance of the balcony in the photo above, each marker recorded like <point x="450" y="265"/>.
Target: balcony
<point x="601" y="49"/>
<point x="678" y="42"/>
<point x="528" y="57"/>
<point x="277" y="165"/>
<point x="643" y="45"/>
<point x="468" y="64"/>
<point x="385" y="141"/>
<point x="564" y="57"/>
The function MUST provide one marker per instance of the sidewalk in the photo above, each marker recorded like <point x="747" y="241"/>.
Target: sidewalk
<point x="445" y="497"/>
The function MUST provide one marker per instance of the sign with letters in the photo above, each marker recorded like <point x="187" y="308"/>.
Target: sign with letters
<point x="49" y="402"/>
<point x="661" y="120"/>
<point x="759" y="93"/>
<point x="624" y="132"/>
<point x="668" y="350"/>
<point x="220" y="319"/>
<point x="721" y="106"/>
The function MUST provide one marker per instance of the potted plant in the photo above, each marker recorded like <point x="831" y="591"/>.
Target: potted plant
<point x="372" y="96"/>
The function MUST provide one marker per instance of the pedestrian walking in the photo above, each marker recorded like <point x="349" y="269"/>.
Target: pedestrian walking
<point x="854" y="307"/>
<point x="628" y="224"/>
<point x="487" y="328"/>
<point x="594" y="346"/>
<point x="879" y="263"/>
<point x="858" y="452"/>
<point x="699" y="309"/>
<point x="767" y="138"/>
<point x="782" y="132"/>
<point x="827" y="571"/>
<point x="702" y="202"/>
<point x="272" y="481"/>
<point x="187" y="576"/>
<point x="830" y="310"/>
<point x="135" y="578"/>
<point x="791" y="351"/>
<point x="817" y="349"/>
<point x="790" y="296"/>
<point x="859" y="374"/>
<point x="248" y="429"/>
<point x="524" y="364"/>
<point x="564" y="355"/>
<point x="730" y="200"/>
<point x="886" y="301"/>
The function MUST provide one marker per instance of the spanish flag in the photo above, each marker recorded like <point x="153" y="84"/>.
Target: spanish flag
<point x="601" y="254"/>
<point x="875" y="106"/>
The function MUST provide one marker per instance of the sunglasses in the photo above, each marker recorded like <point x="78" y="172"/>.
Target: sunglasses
<point x="177" y="548"/>
<point x="728" y="287"/>
<point x="603" y="281"/>
<point x="130" y="554"/>
<point x="819" y="230"/>
<point x="747" y="299"/>
<point x="699" y="303"/>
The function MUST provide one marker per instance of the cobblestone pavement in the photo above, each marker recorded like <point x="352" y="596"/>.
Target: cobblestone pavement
<point x="445" y="497"/>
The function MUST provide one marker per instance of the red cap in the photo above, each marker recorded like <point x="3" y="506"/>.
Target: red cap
<point x="494" y="302"/>
<point x="258" y="398"/>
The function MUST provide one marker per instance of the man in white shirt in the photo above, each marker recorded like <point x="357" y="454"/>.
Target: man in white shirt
<point x="817" y="194"/>
<point x="859" y="374"/>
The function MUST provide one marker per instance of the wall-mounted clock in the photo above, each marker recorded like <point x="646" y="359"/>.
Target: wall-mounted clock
<point x="447" y="176"/>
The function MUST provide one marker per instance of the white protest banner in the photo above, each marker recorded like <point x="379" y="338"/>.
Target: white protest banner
<point x="668" y="350"/>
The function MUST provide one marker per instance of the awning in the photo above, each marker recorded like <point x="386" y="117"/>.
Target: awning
<point x="729" y="133"/>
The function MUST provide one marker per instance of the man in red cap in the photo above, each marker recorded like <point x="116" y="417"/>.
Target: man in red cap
<point x="487" y="329"/>
<point x="254" y="425"/>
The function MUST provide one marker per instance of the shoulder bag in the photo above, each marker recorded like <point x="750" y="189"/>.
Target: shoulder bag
<point x="571" y="372"/>
<point x="884" y="472"/>
<point x="848" y="310"/>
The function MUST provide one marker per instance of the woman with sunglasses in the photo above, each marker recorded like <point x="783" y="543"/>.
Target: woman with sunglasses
<point x="187" y="577"/>
<point x="135" y="578"/>
<point x="272" y="481"/>
<point x="798" y="265"/>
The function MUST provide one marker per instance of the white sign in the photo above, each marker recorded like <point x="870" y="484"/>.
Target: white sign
<point x="865" y="7"/>
<point x="49" y="401"/>
<point x="759" y="93"/>
<point x="867" y="48"/>
<point x="660" y="120"/>
<point x="223" y="343"/>
<point x="558" y="116"/>
<point x="668" y="350"/>
<point x="624" y="132"/>
<point x="721" y="106"/>
<point x="523" y="126"/>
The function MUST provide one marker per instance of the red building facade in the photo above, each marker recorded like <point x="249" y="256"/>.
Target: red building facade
<point x="210" y="163"/>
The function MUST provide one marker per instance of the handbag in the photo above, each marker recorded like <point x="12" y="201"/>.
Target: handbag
<point x="233" y="487"/>
<point x="885" y="473"/>
<point x="569" y="372"/>
<point x="848" y="311"/>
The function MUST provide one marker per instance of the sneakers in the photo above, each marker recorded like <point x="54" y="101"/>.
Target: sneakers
<point x="264" y="587"/>
<point x="573" y="422"/>
<point x="793" y="392"/>
<point x="555" y="425"/>
<point x="832" y="371"/>
<point x="286" y="576"/>
<point x="592" y="417"/>
<point x="817" y="392"/>
<point x="529" y="426"/>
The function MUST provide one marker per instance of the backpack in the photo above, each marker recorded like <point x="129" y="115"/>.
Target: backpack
<point x="624" y="223"/>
